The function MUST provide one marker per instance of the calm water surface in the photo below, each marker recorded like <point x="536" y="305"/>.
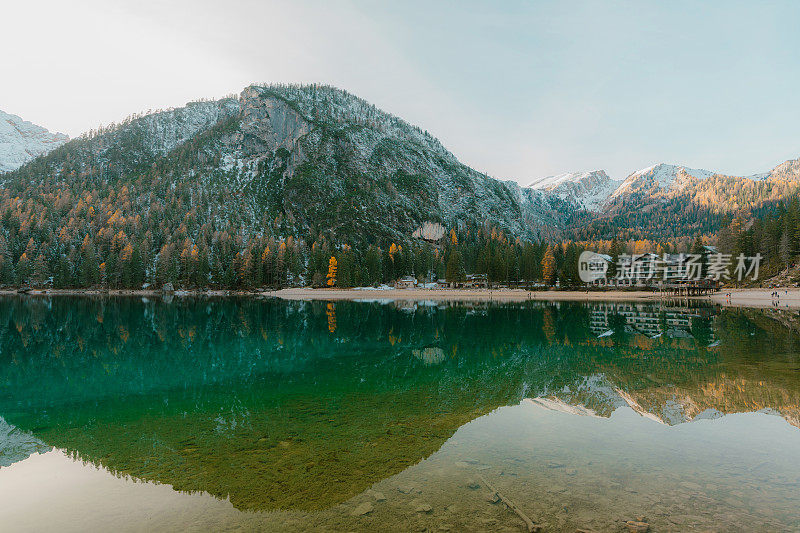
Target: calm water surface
<point x="124" y="414"/>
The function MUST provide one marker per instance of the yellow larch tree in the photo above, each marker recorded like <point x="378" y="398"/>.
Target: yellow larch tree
<point x="332" y="271"/>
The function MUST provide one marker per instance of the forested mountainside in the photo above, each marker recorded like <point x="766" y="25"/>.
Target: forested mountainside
<point x="772" y="231"/>
<point x="214" y="192"/>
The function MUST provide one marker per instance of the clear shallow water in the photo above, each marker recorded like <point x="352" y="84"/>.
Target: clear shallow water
<point x="246" y="414"/>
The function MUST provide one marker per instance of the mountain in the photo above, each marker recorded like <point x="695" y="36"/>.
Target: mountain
<point x="659" y="178"/>
<point x="257" y="189"/>
<point x="663" y="180"/>
<point x="311" y="159"/>
<point x="672" y="201"/>
<point x="584" y="190"/>
<point x="16" y="445"/>
<point x="667" y="188"/>
<point x="786" y="171"/>
<point x="262" y="188"/>
<point x="21" y="141"/>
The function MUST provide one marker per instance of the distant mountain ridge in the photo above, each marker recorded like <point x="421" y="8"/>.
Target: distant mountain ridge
<point x="664" y="200"/>
<point x="594" y="190"/>
<point x="22" y="141"/>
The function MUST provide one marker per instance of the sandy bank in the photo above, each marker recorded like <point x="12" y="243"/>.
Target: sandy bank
<point x="761" y="298"/>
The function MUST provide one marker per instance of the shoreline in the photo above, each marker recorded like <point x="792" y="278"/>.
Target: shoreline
<point x="500" y="295"/>
<point x="789" y="298"/>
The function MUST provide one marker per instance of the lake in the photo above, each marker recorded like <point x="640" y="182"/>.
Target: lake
<point x="262" y="414"/>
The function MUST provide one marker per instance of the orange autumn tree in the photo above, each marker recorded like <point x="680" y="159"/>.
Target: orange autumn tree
<point x="549" y="266"/>
<point x="330" y="311"/>
<point x="332" y="271"/>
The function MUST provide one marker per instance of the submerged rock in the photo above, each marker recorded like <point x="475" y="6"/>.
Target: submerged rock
<point x="635" y="526"/>
<point x="362" y="509"/>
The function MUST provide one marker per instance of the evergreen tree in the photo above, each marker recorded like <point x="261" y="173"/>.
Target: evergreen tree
<point x="549" y="266"/>
<point x="455" y="267"/>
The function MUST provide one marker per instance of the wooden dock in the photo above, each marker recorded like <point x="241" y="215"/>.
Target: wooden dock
<point x="691" y="288"/>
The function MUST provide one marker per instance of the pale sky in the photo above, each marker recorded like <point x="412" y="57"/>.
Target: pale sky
<point x="515" y="89"/>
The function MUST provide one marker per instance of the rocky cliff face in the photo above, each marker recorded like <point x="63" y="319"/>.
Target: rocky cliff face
<point x="270" y="124"/>
<point x="21" y="141"/>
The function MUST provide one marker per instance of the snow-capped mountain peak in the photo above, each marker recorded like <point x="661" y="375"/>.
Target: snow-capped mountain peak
<point x="587" y="190"/>
<point x="788" y="171"/>
<point x="21" y="141"/>
<point x="661" y="176"/>
<point x="665" y="174"/>
<point x="550" y="182"/>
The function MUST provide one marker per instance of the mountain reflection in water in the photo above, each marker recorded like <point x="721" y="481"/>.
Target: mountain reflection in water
<point x="304" y="405"/>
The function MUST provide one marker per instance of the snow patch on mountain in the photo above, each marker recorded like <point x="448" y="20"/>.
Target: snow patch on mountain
<point x="560" y="406"/>
<point x="592" y="395"/>
<point x="551" y="182"/>
<point x="788" y="170"/>
<point x="662" y="177"/>
<point x="17" y="445"/>
<point x="21" y="141"/>
<point x="157" y="134"/>
<point x="665" y="174"/>
<point x="174" y="127"/>
<point x="596" y="396"/>
<point x="585" y="190"/>
<point x="761" y="176"/>
<point x="665" y="178"/>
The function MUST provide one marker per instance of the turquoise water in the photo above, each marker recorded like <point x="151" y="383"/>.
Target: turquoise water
<point x="247" y="414"/>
